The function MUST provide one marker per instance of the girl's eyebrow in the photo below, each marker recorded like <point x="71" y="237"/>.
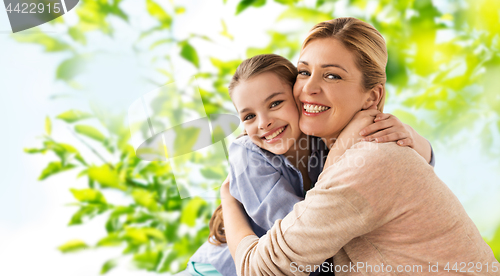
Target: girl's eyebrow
<point x="325" y="65"/>
<point x="264" y="101"/>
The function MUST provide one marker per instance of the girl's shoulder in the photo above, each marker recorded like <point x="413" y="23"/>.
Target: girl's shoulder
<point x="243" y="153"/>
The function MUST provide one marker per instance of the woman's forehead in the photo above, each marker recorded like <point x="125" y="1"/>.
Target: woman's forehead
<point x="325" y="51"/>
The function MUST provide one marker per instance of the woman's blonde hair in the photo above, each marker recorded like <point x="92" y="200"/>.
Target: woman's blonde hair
<point x="249" y="68"/>
<point x="364" y="41"/>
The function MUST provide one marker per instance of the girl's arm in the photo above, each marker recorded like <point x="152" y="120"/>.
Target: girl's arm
<point x="388" y="128"/>
<point x="236" y="225"/>
<point x="371" y="125"/>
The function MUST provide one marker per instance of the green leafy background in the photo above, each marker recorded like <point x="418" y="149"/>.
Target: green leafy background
<point x="443" y="69"/>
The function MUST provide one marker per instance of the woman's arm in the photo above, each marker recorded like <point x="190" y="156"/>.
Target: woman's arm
<point x="349" y="193"/>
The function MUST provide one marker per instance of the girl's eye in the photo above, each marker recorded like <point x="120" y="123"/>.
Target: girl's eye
<point x="248" y="117"/>
<point x="333" y="77"/>
<point x="276" y="103"/>
<point x="304" y="73"/>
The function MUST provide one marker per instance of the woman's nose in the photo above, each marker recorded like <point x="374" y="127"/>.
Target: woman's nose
<point x="311" y="86"/>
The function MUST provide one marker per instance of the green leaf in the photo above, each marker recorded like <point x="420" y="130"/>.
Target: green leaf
<point x="107" y="266"/>
<point x="216" y="173"/>
<point x="90" y="132"/>
<point x="225" y="31"/>
<point x="48" y="125"/>
<point x="77" y="34"/>
<point x="180" y="10"/>
<point x="305" y="14"/>
<point x="285" y="2"/>
<point x="113" y="239"/>
<point x="34" y="150"/>
<point x="191" y="211"/>
<point x="88" y="195"/>
<point x="49" y="43"/>
<point x="87" y="212"/>
<point x="189" y="53"/>
<point x="54" y="168"/>
<point x="159" y="13"/>
<point x="147" y="260"/>
<point x="244" y="4"/>
<point x="73" y="115"/>
<point x="185" y="140"/>
<point x="73" y="246"/>
<point x="106" y="176"/>
<point x="70" y="68"/>
<point x="146" y="199"/>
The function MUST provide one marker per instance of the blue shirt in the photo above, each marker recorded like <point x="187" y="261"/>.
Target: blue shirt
<point x="268" y="186"/>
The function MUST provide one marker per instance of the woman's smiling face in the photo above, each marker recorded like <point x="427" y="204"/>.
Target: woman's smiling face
<point x="328" y="89"/>
<point x="268" y="111"/>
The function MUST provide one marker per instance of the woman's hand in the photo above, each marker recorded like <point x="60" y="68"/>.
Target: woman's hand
<point x="388" y="128"/>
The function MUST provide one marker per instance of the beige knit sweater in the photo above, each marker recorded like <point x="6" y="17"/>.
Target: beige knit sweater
<point x="381" y="207"/>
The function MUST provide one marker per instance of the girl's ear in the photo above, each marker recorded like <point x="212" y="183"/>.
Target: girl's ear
<point x="375" y="96"/>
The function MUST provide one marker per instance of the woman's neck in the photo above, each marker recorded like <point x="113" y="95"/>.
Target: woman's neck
<point x="298" y="150"/>
<point x="298" y="155"/>
<point x="330" y="141"/>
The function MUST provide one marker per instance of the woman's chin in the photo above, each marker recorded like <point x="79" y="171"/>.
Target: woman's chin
<point x="313" y="129"/>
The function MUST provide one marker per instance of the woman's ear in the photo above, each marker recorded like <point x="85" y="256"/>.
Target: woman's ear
<point x="375" y="95"/>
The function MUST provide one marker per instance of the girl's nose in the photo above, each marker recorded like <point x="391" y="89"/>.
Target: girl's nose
<point x="265" y="123"/>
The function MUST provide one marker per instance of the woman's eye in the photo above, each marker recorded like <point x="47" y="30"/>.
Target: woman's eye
<point x="248" y="117"/>
<point x="276" y="103"/>
<point x="304" y="73"/>
<point x="333" y="77"/>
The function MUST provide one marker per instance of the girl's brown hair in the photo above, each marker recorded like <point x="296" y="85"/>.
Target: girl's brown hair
<point x="249" y="68"/>
<point x="364" y="41"/>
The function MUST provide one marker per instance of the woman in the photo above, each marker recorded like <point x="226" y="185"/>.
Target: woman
<point x="379" y="208"/>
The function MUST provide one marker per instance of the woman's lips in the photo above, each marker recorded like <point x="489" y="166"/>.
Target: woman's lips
<point x="313" y="109"/>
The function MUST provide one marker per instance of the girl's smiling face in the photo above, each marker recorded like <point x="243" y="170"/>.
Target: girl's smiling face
<point x="329" y="88"/>
<point x="268" y="111"/>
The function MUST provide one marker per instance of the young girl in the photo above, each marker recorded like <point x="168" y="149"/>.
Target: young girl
<point x="274" y="164"/>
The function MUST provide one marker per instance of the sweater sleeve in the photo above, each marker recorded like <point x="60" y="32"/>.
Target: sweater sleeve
<point x="354" y="196"/>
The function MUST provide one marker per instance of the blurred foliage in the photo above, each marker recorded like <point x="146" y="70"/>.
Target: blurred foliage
<point x="442" y="62"/>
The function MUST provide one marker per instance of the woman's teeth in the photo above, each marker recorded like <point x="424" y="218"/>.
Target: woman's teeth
<point x="311" y="108"/>
<point x="276" y="133"/>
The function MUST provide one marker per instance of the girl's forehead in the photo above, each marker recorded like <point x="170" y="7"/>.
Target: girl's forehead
<point x="257" y="90"/>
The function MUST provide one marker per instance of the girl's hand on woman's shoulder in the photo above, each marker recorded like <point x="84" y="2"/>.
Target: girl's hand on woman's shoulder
<point x="361" y="120"/>
<point x="388" y="128"/>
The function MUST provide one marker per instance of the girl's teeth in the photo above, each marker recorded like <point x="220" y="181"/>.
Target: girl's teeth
<point x="276" y="133"/>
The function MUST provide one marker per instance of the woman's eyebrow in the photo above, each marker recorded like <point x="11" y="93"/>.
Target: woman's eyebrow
<point x="325" y="65"/>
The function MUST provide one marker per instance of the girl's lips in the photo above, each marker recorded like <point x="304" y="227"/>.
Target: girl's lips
<point x="278" y="137"/>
